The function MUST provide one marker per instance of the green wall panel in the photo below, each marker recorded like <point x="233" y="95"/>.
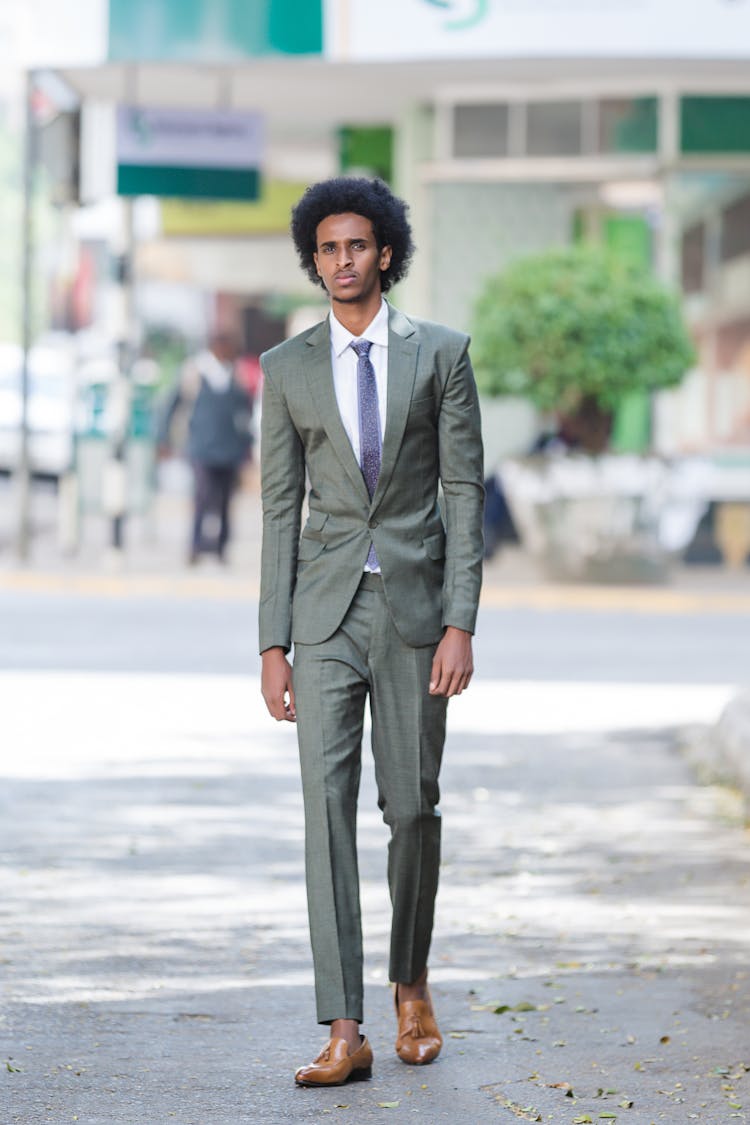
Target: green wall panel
<point x="367" y="148"/>
<point x="629" y="239"/>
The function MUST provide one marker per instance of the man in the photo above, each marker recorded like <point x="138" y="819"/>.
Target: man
<point x="378" y="596"/>
<point x="219" y="437"/>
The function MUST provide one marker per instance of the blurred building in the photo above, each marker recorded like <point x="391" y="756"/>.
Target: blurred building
<point x="509" y="125"/>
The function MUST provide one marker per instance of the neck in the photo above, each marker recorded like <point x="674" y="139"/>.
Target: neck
<point x="356" y="316"/>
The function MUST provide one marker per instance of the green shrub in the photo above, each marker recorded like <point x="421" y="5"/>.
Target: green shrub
<point x="572" y="325"/>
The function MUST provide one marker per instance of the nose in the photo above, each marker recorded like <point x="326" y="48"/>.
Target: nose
<point x="343" y="256"/>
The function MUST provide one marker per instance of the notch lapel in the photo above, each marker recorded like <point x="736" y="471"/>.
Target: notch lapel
<point x="320" y="378"/>
<point x="403" y="351"/>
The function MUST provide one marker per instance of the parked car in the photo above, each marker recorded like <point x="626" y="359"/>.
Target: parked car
<point x="50" y="409"/>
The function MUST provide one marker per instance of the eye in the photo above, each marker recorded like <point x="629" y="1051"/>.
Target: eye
<point x="358" y="244"/>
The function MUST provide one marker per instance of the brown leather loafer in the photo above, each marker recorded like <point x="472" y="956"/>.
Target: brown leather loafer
<point x="418" y="1040"/>
<point x="334" y="1065"/>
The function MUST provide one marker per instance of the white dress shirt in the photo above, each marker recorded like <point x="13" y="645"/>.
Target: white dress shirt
<point x="344" y="363"/>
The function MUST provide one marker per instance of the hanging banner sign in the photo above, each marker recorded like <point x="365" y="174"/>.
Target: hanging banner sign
<point x="423" y="29"/>
<point x="191" y="154"/>
<point x="213" y="31"/>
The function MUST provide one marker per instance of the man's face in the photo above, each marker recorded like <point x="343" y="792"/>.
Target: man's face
<point x="348" y="260"/>
<point x="225" y="347"/>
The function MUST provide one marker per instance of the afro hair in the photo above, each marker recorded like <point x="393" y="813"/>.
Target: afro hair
<point x="370" y="198"/>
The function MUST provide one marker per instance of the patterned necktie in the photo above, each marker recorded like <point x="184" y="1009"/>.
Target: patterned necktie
<point x="369" y="425"/>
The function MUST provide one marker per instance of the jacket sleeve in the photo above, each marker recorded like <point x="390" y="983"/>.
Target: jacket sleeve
<point x="282" y="488"/>
<point x="461" y="477"/>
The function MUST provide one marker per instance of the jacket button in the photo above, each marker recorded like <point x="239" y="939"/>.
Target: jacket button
<point x="372" y="523"/>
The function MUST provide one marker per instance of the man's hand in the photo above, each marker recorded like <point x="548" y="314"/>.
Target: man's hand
<point x="276" y="685"/>
<point x="453" y="664"/>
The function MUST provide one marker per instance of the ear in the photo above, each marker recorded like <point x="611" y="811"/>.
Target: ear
<point x="317" y="267"/>
<point x="385" y="258"/>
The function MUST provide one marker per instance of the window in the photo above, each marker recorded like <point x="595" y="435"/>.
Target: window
<point x="735" y="229"/>
<point x="628" y="125"/>
<point x="480" y="130"/>
<point x="715" y="124"/>
<point x="693" y="258"/>
<point x="554" y="129"/>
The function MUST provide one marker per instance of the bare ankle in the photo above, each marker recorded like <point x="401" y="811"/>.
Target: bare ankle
<point x="413" y="990"/>
<point x="347" y="1030"/>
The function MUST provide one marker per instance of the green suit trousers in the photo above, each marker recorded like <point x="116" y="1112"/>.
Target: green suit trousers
<point x="332" y="681"/>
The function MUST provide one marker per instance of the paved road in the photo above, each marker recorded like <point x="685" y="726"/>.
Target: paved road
<point x="591" y="948"/>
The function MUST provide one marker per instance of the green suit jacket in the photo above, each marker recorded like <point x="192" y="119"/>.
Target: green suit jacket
<point x="431" y="569"/>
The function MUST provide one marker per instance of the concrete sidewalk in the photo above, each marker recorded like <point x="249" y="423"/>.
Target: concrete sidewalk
<point x="589" y="964"/>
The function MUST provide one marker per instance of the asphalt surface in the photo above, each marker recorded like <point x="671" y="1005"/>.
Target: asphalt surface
<point x="590" y="955"/>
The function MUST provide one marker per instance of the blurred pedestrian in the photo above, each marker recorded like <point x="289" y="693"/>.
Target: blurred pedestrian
<point x="219" y="438"/>
<point x="378" y="595"/>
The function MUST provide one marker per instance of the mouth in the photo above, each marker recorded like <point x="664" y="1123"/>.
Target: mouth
<point x="345" y="278"/>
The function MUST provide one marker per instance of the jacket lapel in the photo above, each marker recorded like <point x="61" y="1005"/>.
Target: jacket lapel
<point x="320" y="377"/>
<point x="403" y="351"/>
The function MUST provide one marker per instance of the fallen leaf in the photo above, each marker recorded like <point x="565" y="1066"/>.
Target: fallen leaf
<point x="582" y="1119"/>
<point x="625" y="1104"/>
<point x="389" y="1105"/>
<point x="664" y="1039"/>
<point x="457" y="1035"/>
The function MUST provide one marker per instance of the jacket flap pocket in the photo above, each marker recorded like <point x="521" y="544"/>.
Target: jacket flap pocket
<point x="315" y="523"/>
<point x="309" y="549"/>
<point x="434" y="546"/>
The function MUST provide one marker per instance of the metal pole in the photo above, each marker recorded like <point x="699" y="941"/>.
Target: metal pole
<point x="23" y="474"/>
<point x="117" y="469"/>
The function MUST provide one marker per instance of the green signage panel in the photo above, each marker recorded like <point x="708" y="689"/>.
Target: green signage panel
<point x="188" y="183"/>
<point x="715" y="124"/>
<point x="193" y="154"/>
<point x="213" y="31"/>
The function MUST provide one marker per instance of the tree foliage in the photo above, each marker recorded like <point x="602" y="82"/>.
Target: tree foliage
<point x="570" y="325"/>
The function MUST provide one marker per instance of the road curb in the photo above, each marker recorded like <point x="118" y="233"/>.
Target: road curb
<point x="241" y="583"/>
<point x="722" y="753"/>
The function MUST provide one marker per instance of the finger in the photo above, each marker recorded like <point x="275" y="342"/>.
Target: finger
<point x="436" y="675"/>
<point x="280" y="709"/>
<point x="443" y="685"/>
<point x="454" y="686"/>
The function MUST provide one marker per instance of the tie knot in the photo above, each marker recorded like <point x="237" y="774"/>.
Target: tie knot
<point x="362" y="347"/>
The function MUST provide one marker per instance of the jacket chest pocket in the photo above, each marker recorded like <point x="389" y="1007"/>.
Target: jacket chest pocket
<point x="422" y="405"/>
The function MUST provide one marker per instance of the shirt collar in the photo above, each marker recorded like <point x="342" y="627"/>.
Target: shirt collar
<point x="376" y="331"/>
